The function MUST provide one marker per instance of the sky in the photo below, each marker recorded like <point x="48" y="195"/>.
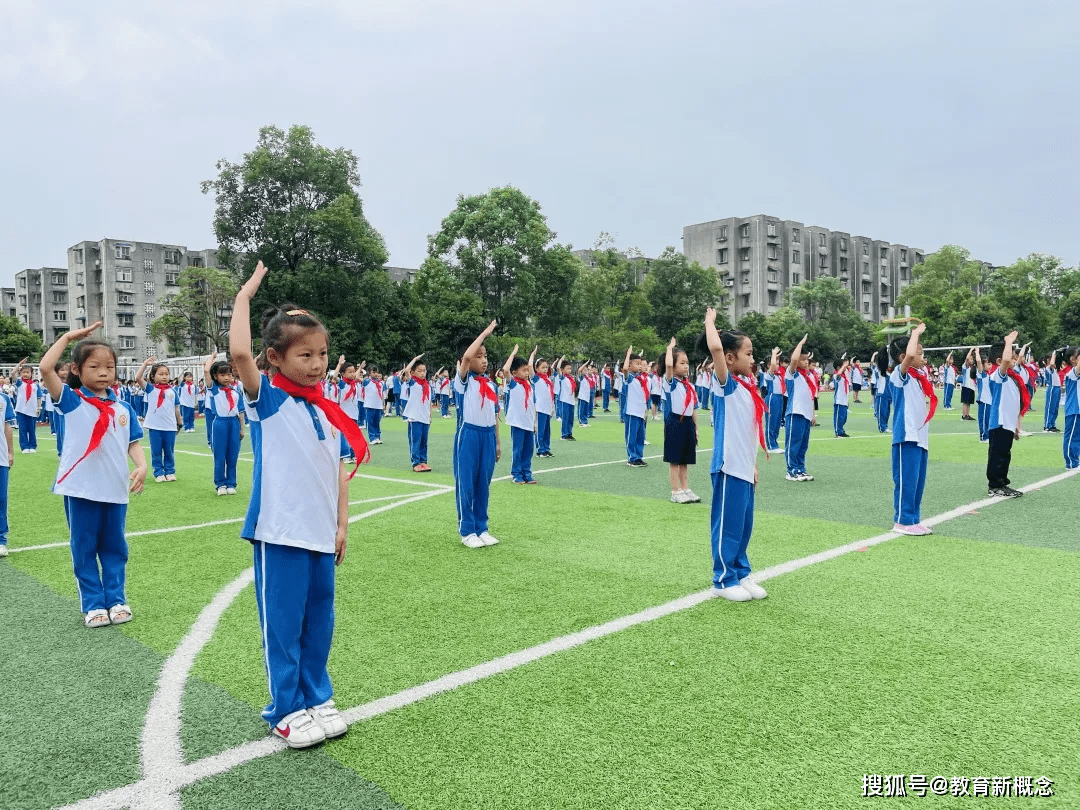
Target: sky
<point x="921" y="123"/>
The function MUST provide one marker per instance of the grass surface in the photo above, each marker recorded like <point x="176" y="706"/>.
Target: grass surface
<point x="952" y="655"/>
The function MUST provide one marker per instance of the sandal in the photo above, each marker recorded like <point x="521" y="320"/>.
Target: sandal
<point x="120" y="614"/>
<point x="97" y="618"/>
<point x="425" y="468"/>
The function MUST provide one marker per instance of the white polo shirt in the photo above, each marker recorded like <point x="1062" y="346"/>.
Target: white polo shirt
<point x="163" y="417"/>
<point x="636" y="399"/>
<point x="26" y="397"/>
<point x="543" y="394"/>
<point x="294" y="494"/>
<point x="566" y="390"/>
<point x="735" y="434"/>
<point x="417" y="409"/>
<point x="187" y="394"/>
<point x="1005" y="400"/>
<point x="521" y="409"/>
<point x="9" y="418"/>
<point x="349" y="394"/>
<point x="219" y="401"/>
<point x="103" y="475"/>
<point x="676" y="395"/>
<point x="585" y="388"/>
<point x="373" y="394"/>
<point x="909" y="410"/>
<point x="840" y="391"/>
<point x="800" y="399"/>
<point x="475" y="409"/>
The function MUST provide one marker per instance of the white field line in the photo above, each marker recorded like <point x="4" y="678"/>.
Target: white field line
<point x="225" y="522"/>
<point x="145" y="792"/>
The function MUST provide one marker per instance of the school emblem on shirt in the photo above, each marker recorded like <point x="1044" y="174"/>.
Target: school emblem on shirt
<point x="122" y="420"/>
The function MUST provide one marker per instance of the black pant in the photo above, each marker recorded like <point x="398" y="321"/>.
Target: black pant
<point x="999" y="457"/>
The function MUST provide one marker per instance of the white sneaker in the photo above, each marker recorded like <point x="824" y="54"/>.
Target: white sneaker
<point x="791" y="477"/>
<point x="25" y="452"/>
<point x="3" y="550"/>
<point x="487" y="539"/>
<point x="222" y="491"/>
<point x="299" y="730"/>
<point x="805" y="477"/>
<point x="647" y="442"/>
<point x="911" y="531"/>
<point x="679" y="497"/>
<point x="691" y="497"/>
<point x="160" y="479"/>
<point x="472" y="541"/>
<point x="170" y="477"/>
<point x="329" y="719"/>
<point x="733" y="593"/>
<point x="753" y="588"/>
<point x="230" y="490"/>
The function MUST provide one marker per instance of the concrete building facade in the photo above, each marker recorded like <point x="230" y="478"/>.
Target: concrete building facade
<point x="121" y="283"/>
<point x="7" y="296"/>
<point x="760" y="258"/>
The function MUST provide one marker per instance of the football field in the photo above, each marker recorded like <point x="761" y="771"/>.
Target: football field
<point x="580" y="663"/>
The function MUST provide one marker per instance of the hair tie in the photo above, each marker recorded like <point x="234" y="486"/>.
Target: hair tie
<point x="295" y="312"/>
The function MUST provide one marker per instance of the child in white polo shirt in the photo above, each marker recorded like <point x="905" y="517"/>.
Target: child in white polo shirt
<point x="162" y="419"/>
<point x="802" y="390"/>
<point x="910" y="389"/>
<point x="521" y="415"/>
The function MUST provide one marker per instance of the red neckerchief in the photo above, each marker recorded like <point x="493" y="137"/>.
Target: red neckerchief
<point x="572" y="381"/>
<point x="643" y="379"/>
<point x="847" y="383"/>
<point x="928" y="391"/>
<point x="524" y="383"/>
<point x="486" y="391"/>
<point x="1033" y="372"/>
<point x="378" y="388"/>
<point x="162" y="388"/>
<point x="350" y="386"/>
<point x="443" y="383"/>
<point x="551" y="386"/>
<point x="425" y="389"/>
<point x="1062" y="375"/>
<point x="229" y="396"/>
<point x="1025" y="396"/>
<point x="104" y="418"/>
<point x="190" y="387"/>
<point x="691" y="394"/>
<point x="609" y="375"/>
<point x="759" y="409"/>
<point x="314" y="395"/>
<point x="783" y="383"/>
<point x="811" y="381"/>
<point x="28" y="386"/>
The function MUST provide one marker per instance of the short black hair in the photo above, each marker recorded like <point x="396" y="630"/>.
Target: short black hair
<point x="517" y="363"/>
<point x="83" y="350"/>
<point x="219" y="367"/>
<point x="997" y="351"/>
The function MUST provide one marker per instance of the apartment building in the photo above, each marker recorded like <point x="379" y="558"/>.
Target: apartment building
<point x="640" y="264"/>
<point x="121" y="283"/>
<point x="41" y="299"/>
<point x="7" y="297"/>
<point x="760" y="258"/>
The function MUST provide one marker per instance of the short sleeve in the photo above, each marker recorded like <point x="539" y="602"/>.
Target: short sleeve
<point x="69" y="401"/>
<point x="459" y="386"/>
<point x="9" y="412"/>
<point x="725" y="389"/>
<point x="268" y="402"/>
<point x="135" y="429"/>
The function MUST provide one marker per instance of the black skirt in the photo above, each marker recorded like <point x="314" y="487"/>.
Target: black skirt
<point x="680" y="440"/>
<point x="967" y="396"/>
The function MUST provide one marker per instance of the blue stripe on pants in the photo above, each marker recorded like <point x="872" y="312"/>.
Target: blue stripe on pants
<point x="27" y="431"/>
<point x="210" y="427"/>
<point x="522" y="454"/>
<point x="162" y="443"/>
<point x="583" y="411"/>
<point x="374" y="423"/>
<point x="634" y="433"/>
<point x="775" y="417"/>
<point x="984" y="420"/>
<point x="909" y="479"/>
<point x="1050" y="411"/>
<point x="187" y="416"/>
<point x="796" y="439"/>
<point x="294" y="592"/>
<point x="949" y="388"/>
<point x="731" y="522"/>
<point x="1070" y="442"/>
<point x="97" y="537"/>
<point x="883" y="407"/>
<point x="543" y="433"/>
<point x="444" y="405"/>
<point x="61" y="431"/>
<point x="839" y="418"/>
<point x="5" y="474"/>
<point x="226" y="450"/>
<point x="475" y="465"/>
<point x="418" y="436"/>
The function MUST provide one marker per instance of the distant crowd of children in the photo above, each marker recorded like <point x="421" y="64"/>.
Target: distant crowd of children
<point x="307" y="422"/>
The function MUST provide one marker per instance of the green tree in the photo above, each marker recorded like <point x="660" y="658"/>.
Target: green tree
<point x="295" y="205"/>
<point x="607" y="293"/>
<point x="17" y="342"/>
<point x="197" y="317"/>
<point x="834" y="325"/>
<point x="499" y="245"/>
<point x="447" y="313"/>
<point x="945" y="283"/>
<point x="679" y="292"/>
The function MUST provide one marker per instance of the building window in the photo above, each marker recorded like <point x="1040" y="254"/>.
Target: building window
<point x="123" y="274"/>
<point x="795" y="256"/>
<point x="843" y="243"/>
<point x="843" y="264"/>
<point x="223" y="322"/>
<point x="36" y="298"/>
<point x="172" y="256"/>
<point x="746" y="300"/>
<point x="78" y="279"/>
<point x="123" y="251"/>
<point x="772" y="298"/>
<point x="80" y="302"/>
<point x="823" y="240"/>
<point x="865" y="249"/>
<point x="78" y="255"/>
<point x="721" y="233"/>
<point x="771" y="229"/>
<point x="148" y="287"/>
<point x="150" y="309"/>
<point x="171" y="279"/>
<point x="772" y="274"/>
<point x="824" y="260"/>
<point x="125" y="298"/>
<point x="22" y="300"/>
<point x="744" y="254"/>
<point x="127" y="342"/>
<point x="903" y="273"/>
<point x="197" y="262"/>
<point x="771" y="252"/>
<point x="745" y="279"/>
<point x="884" y="310"/>
<point x="22" y="282"/>
<point x="148" y="330"/>
<point x="795" y="279"/>
<point x="148" y="266"/>
<point x="59" y="297"/>
<point x="125" y="319"/>
<point x="866" y="307"/>
<point x="721" y="256"/>
<point x="794" y="234"/>
<point x="918" y="258"/>
<point x="903" y="254"/>
<point x="150" y="351"/>
<point x="884" y="290"/>
<point x="745" y="229"/>
<point x="59" y="315"/>
<point x="59" y="278"/>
